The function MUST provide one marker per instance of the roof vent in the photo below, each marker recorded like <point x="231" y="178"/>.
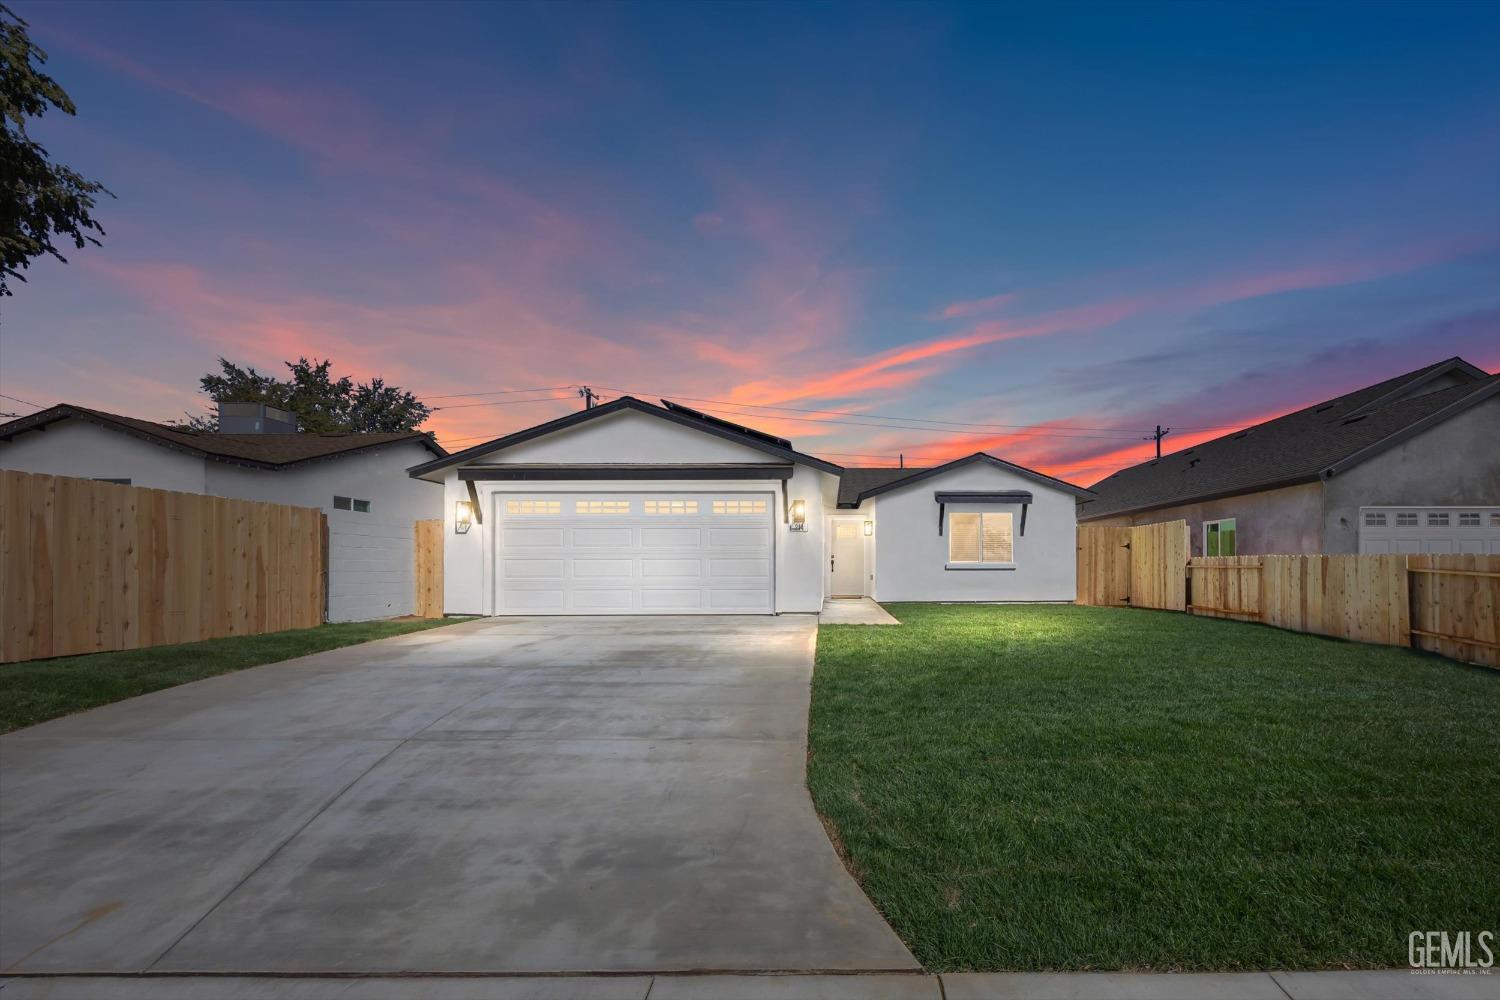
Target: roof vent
<point x="1194" y="462"/>
<point x="1241" y="434"/>
<point x="1323" y="408"/>
<point x="1355" y="420"/>
<point x="255" y="418"/>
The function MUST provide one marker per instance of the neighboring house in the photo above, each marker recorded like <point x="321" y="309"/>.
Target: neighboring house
<point x="1411" y="464"/>
<point x="359" y="480"/>
<point x="633" y="508"/>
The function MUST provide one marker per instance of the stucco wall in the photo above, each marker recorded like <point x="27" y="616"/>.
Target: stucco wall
<point x="88" y="451"/>
<point x="369" y="555"/>
<point x="1456" y="463"/>
<point x="911" y="556"/>
<point x="1287" y="521"/>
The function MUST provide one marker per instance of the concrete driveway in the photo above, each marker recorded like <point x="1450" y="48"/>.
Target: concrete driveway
<point x="505" y="795"/>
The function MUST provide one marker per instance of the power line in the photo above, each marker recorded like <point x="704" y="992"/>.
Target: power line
<point x="499" y="392"/>
<point x="498" y="402"/>
<point x="17" y="399"/>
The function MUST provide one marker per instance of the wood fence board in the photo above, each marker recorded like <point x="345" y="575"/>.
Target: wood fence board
<point x="88" y="566"/>
<point x="1450" y="607"/>
<point x="427" y="539"/>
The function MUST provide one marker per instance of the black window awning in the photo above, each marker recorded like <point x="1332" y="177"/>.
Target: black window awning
<point x="945" y="497"/>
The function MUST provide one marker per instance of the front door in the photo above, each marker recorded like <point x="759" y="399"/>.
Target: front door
<point x="847" y="559"/>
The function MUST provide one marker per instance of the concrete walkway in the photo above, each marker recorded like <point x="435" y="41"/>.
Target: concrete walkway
<point x="1388" y="985"/>
<point x="854" y="611"/>
<point x="501" y="796"/>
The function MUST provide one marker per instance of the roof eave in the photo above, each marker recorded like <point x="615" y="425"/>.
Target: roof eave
<point x="1261" y="487"/>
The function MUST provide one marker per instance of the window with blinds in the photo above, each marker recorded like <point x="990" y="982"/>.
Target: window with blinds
<point x="983" y="539"/>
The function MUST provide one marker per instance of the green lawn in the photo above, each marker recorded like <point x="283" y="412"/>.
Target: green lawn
<point x="39" y="690"/>
<point x="1057" y="787"/>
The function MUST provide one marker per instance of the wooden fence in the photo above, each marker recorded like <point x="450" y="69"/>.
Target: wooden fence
<point x="88" y="566"/>
<point x="427" y="564"/>
<point x="1141" y="567"/>
<point x="1449" y="604"/>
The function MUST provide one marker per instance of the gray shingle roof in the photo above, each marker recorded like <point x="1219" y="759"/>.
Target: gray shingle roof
<point x="264" y="450"/>
<point x="1299" y="447"/>
<point x="853" y="482"/>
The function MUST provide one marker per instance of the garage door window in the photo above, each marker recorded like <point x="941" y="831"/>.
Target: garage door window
<point x="601" y="506"/>
<point x="739" y="506"/>
<point x="1469" y="520"/>
<point x="671" y="506"/>
<point x="533" y="506"/>
<point x="1375" y="520"/>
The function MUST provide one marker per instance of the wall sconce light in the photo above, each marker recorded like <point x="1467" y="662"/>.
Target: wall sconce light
<point x="799" y="515"/>
<point x="463" y="516"/>
<point x="869" y="528"/>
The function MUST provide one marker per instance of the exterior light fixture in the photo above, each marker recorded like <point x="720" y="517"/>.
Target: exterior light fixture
<point x="463" y="516"/>
<point x="799" y="515"/>
<point x="869" y="528"/>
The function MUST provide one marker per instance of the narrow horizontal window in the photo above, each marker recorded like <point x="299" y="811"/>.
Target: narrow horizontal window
<point x="1469" y="519"/>
<point x="1373" y="520"/>
<point x="361" y="506"/>
<point x="107" y="479"/>
<point x="1437" y="520"/>
<point x="343" y="503"/>
<point x="533" y="506"/>
<point x="601" y="506"/>
<point x="1406" y="520"/>
<point x="671" y="506"/>
<point x="739" y="506"/>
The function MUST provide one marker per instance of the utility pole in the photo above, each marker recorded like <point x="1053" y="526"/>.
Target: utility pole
<point x="1161" y="432"/>
<point x="901" y="458"/>
<point x="589" y="396"/>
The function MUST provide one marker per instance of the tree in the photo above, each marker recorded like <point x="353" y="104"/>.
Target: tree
<point x="38" y="199"/>
<point x="321" y="402"/>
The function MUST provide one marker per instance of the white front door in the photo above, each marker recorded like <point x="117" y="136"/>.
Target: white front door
<point x="648" y="552"/>
<point x="847" y="559"/>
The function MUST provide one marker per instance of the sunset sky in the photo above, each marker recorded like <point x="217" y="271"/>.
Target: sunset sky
<point x="1033" y="230"/>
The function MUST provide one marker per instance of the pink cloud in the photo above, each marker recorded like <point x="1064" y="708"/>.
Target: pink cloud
<point x="975" y="307"/>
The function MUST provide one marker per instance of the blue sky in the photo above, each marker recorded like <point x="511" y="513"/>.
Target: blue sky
<point x="1034" y="230"/>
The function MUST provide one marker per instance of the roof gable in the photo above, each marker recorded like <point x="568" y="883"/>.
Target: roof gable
<point x="872" y="486"/>
<point x="685" y="418"/>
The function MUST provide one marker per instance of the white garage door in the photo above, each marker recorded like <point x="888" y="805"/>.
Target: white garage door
<point x="1466" y="530"/>
<point x="634" y="553"/>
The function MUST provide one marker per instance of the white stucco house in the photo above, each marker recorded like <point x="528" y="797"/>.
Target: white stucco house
<point x="634" y="508"/>
<point x="359" y="481"/>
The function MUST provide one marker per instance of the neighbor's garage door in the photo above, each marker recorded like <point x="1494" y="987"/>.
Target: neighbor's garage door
<point x="1468" y="530"/>
<point x="634" y="553"/>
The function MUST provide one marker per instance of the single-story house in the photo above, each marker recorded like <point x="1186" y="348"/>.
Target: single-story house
<point x="359" y="480"/>
<point x="634" y="508"/>
<point x="1411" y="464"/>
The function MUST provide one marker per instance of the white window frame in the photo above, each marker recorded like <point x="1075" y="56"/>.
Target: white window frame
<point x="1219" y="522"/>
<point x="948" y="562"/>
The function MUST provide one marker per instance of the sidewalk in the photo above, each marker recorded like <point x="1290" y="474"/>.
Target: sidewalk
<point x="1396" y="984"/>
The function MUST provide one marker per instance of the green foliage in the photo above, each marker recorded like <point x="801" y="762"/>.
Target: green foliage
<point x="322" y="403"/>
<point x="1055" y="787"/>
<point x="39" y="200"/>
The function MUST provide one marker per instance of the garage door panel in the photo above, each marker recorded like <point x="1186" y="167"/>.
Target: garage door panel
<point x="671" y="538"/>
<point x="739" y="538"/>
<point x="1431" y="530"/>
<point x="654" y="569"/>
<point x="635" y="552"/>
<point x="601" y="538"/>
<point x="671" y="600"/>
<point x="603" y="568"/>
<point x="534" y="569"/>
<point x="521" y="537"/>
